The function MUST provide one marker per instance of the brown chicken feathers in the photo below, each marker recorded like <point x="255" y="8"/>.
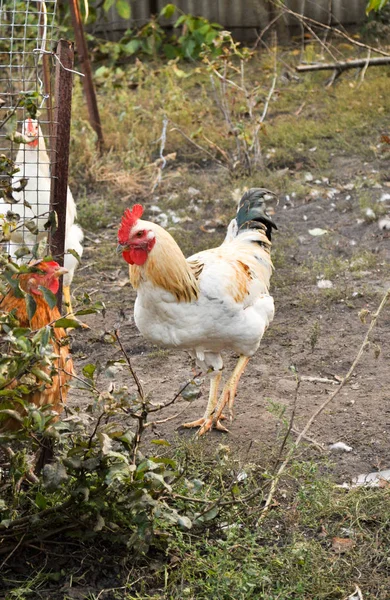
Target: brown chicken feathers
<point x="54" y="394"/>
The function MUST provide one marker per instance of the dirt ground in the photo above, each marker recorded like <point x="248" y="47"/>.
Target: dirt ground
<point x="316" y="330"/>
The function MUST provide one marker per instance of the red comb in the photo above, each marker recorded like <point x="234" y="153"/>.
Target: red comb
<point x="30" y="126"/>
<point x="129" y="219"/>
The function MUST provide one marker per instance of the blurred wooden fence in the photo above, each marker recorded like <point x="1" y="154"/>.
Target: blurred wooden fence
<point x="242" y="17"/>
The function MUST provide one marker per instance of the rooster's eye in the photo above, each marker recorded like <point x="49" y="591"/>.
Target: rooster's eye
<point x="139" y="234"/>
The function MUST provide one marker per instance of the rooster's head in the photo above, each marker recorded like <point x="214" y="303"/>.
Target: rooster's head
<point x="31" y="131"/>
<point x="42" y="274"/>
<point x="135" y="239"/>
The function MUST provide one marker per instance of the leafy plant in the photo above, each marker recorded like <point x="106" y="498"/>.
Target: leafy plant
<point x="375" y="5"/>
<point x="153" y="40"/>
<point x="101" y="483"/>
<point x="122" y="7"/>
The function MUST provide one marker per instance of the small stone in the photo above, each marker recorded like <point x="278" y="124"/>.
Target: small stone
<point x="340" y="447"/>
<point x="324" y="284"/>
<point x="193" y="191"/>
<point x="369" y="214"/>
<point x="384" y="224"/>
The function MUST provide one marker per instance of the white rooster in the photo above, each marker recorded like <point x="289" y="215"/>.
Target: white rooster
<point x="33" y="204"/>
<point x="213" y="301"/>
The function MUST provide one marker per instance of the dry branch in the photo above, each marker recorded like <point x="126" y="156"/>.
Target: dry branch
<point x="357" y="63"/>
<point x="335" y="31"/>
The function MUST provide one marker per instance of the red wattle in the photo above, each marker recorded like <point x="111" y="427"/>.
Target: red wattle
<point x="139" y="255"/>
<point x="135" y="256"/>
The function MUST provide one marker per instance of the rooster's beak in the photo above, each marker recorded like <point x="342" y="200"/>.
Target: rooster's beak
<point x="60" y="271"/>
<point x="120" y="248"/>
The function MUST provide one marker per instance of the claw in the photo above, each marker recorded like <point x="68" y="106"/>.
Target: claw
<point x="206" y="425"/>
<point x="197" y="423"/>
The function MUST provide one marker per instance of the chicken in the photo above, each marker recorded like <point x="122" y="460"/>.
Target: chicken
<point x="213" y="301"/>
<point x="34" y="165"/>
<point x="44" y="274"/>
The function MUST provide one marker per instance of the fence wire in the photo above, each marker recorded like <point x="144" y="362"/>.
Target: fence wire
<point x="27" y="31"/>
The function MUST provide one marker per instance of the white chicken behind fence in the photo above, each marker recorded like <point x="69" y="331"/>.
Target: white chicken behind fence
<point x="32" y="205"/>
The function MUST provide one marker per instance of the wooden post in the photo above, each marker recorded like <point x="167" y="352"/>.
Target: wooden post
<point x="85" y="64"/>
<point x="60" y="150"/>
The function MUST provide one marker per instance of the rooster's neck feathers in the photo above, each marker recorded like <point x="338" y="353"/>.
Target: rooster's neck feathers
<point x="167" y="268"/>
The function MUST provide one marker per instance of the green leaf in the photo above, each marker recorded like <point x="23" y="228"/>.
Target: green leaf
<point x="100" y="523"/>
<point x="170" y="51"/>
<point x="48" y="295"/>
<point x="184" y="522"/>
<point x="147" y="465"/>
<point x="31" y="306"/>
<point x="11" y="413"/>
<point x="22" y="252"/>
<point x="376" y="5"/>
<point x="54" y="475"/>
<point x="161" y="442"/>
<point x="132" y="46"/>
<point x="127" y="438"/>
<point x="65" y="323"/>
<point x="89" y="370"/>
<point x="123" y="8"/>
<point x="52" y="222"/>
<point x="157" y="480"/>
<point x="180" y="20"/>
<point x="14" y="284"/>
<point x="40" y="501"/>
<point x="167" y="11"/>
<point x="32" y="226"/>
<point x="107" y="4"/>
<point x="119" y="471"/>
<point x="75" y="254"/>
<point x="211" y="514"/>
<point x="189" y="48"/>
<point x="41" y="374"/>
<point x="105" y="442"/>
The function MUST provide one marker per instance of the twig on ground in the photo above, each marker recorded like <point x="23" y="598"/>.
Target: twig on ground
<point x="31" y="518"/>
<point x="304" y="431"/>
<point x="344" y="65"/>
<point x="162" y="140"/>
<point x="161" y="421"/>
<point x="357" y="592"/>
<point x="272" y="89"/>
<point x="312" y="441"/>
<point x="290" y="425"/>
<point x="363" y="73"/>
<point x="319" y="380"/>
<point x="13" y="551"/>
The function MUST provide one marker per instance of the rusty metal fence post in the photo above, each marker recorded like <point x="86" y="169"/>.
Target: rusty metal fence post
<point x="60" y="149"/>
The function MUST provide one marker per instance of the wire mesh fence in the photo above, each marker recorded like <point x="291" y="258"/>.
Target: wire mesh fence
<point x="27" y="32"/>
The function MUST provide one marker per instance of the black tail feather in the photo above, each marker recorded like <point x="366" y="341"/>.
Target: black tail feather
<point x="252" y="211"/>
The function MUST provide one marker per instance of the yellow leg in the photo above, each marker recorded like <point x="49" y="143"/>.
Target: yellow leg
<point x="68" y="301"/>
<point x="230" y="389"/>
<point x="207" y="420"/>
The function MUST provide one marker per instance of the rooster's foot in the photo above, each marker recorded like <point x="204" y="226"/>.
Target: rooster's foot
<point x="206" y="424"/>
